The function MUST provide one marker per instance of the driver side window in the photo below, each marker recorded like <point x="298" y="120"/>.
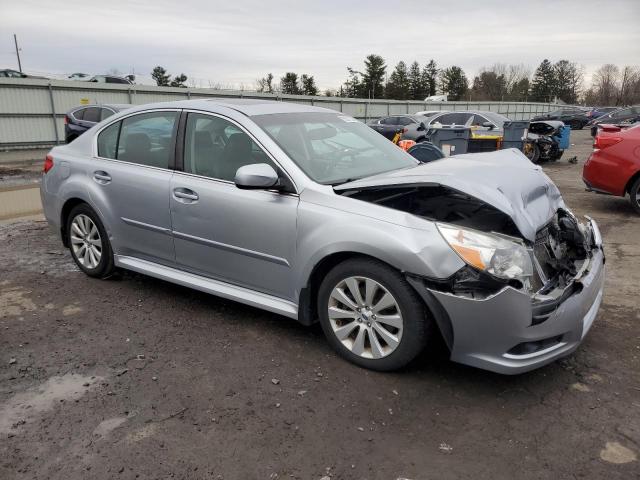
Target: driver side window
<point x="217" y="148"/>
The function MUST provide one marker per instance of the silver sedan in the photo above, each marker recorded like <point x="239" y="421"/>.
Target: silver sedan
<point x="311" y="214"/>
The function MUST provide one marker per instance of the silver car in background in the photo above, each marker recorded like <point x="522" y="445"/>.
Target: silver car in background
<point x="311" y="214"/>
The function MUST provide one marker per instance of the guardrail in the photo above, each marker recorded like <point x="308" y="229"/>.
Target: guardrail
<point x="32" y="110"/>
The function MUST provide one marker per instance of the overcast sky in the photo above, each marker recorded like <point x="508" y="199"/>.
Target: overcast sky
<point x="235" y="42"/>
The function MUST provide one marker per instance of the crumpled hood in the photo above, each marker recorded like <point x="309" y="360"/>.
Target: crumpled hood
<point x="505" y="179"/>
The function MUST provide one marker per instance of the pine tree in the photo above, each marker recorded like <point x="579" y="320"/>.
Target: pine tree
<point x="453" y="83"/>
<point x="373" y="76"/>
<point x="160" y="75"/>
<point x="308" y="85"/>
<point x="568" y="80"/>
<point x="416" y="87"/>
<point x="543" y="86"/>
<point x="429" y="78"/>
<point x="397" y="87"/>
<point x="289" y="83"/>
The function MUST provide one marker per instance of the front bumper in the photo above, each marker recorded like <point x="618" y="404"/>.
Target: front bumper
<point x="499" y="333"/>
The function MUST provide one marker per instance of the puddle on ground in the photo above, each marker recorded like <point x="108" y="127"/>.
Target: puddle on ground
<point x="23" y="406"/>
<point x="14" y="301"/>
<point x="613" y="452"/>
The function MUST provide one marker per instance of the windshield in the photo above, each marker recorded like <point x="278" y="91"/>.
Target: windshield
<point x="332" y="148"/>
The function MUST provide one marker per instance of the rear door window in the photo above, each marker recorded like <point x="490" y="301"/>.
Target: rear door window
<point x="147" y="139"/>
<point x="108" y="141"/>
<point x="404" y="121"/>
<point x="78" y="114"/>
<point x="106" y="113"/>
<point x="92" y="114"/>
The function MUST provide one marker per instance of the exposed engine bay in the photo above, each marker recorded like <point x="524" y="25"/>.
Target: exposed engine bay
<point x="561" y="249"/>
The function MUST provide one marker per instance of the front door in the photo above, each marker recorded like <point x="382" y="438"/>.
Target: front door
<point x="244" y="237"/>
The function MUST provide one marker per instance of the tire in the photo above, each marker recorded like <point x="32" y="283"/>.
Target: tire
<point x="534" y="153"/>
<point x="634" y="196"/>
<point x="362" y="338"/>
<point x="92" y="253"/>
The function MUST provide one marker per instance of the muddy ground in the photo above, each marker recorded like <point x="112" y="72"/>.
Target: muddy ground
<point x="137" y="378"/>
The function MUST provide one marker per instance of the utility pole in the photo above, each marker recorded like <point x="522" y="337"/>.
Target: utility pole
<point x="15" y="40"/>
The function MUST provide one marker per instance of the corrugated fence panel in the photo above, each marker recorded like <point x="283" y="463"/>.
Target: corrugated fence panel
<point x="27" y="118"/>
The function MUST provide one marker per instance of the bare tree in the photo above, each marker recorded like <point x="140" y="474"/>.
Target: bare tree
<point x="605" y="84"/>
<point x="629" y="86"/>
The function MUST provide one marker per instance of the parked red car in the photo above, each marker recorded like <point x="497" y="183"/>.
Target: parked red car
<point x="614" y="165"/>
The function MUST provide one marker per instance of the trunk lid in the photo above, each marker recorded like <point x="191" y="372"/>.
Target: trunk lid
<point x="504" y="179"/>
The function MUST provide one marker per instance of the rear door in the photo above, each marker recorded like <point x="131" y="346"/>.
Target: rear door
<point x="132" y="171"/>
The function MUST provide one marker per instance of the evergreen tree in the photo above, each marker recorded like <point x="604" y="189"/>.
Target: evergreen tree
<point x="416" y="86"/>
<point x="398" y="85"/>
<point x="373" y="77"/>
<point x="178" y="81"/>
<point x="429" y="78"/>
<point x="308" y="85"/>
<point x="543" y="86"/>
<point x="289" y="83"/>
<point x="453" y="83"/>
<point x="353" y="87"/>
<point x="160" y="75"/>
<point x="568" y="80"/>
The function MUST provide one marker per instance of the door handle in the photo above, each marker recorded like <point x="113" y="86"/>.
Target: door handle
<point x="101" y="177"/>
<point x="185" y="195"/>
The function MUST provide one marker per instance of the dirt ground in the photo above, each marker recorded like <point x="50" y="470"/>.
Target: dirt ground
<point x="137" y="378"/>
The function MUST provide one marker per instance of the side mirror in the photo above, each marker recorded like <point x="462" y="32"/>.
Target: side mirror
<point x="488" y="125"/>
<point x="422" y="127"/>
<point x="256" y="176"/>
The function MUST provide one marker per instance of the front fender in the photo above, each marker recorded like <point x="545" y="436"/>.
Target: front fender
<point x="323" y="231"/>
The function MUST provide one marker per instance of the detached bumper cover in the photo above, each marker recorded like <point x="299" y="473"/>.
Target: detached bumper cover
<point x="486" y="333"/>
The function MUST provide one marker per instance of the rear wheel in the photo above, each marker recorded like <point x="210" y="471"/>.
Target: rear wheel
<point x="634" y="196"/>
<point x="371" y="316"/>
<point x="88" y="242"/>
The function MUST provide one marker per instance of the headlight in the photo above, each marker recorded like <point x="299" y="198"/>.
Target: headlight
<point x="496" y="255"/>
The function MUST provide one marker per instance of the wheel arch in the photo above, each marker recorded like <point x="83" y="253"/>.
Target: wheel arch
<point x="632" y="180"/>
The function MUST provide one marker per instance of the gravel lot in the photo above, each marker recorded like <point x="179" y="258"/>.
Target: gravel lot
<point x="137" y="378"/>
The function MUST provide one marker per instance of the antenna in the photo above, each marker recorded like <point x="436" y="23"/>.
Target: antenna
<point x="15" y="40"/>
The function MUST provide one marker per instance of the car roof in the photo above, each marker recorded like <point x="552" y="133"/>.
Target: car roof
<point x="249" y="107"/>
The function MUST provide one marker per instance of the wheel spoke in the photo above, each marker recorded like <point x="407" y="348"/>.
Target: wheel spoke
<point x="376" y="348"/>
<point x="339" y="295"/>
<point x="385" y="302"/>
<point x="370" y="290"/>
<point x="344" y="331"/>
<point x="388" y="337"/>
<point x="76" y="227"/>
<point x="86" y="257"/>
<point x="92" y="258"/>
<point x="393" y="320"/>
<point x="95" y="242"/>
<point x="75" y="239"/>
<point x="336" y="313"/>
<point x="358" y="343"/>
<point x="353" y="286"/>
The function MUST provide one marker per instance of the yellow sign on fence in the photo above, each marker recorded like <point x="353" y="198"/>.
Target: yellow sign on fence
<point x="84" y="101"/>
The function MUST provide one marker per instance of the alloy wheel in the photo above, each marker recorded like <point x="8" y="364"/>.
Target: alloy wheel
<point x="365" y="317"/>
<point x="85" y="241"/>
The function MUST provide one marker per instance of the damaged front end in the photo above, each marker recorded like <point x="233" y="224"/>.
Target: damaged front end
<point x="530" y="288"/>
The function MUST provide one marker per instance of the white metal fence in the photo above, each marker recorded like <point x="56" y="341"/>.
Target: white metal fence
<point x="32" y="110"/>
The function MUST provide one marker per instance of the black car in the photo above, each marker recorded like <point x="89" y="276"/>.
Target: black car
<point x="576" y="118"/>
<point x="81" y="119"/>
<point x="622" y="117"/>
<point x="413" y="126"/>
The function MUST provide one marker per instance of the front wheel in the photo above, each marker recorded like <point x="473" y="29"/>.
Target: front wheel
<point x="88" y="242"/>
<point x="372" y="316"/>
<point x="532" y="152"/>
<point x="634" y="196"/>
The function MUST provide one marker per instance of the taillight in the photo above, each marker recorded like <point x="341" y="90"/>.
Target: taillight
<point x="48" y="163"/>
<point x="604" y="142"/>
<point x="66" y="119"/>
